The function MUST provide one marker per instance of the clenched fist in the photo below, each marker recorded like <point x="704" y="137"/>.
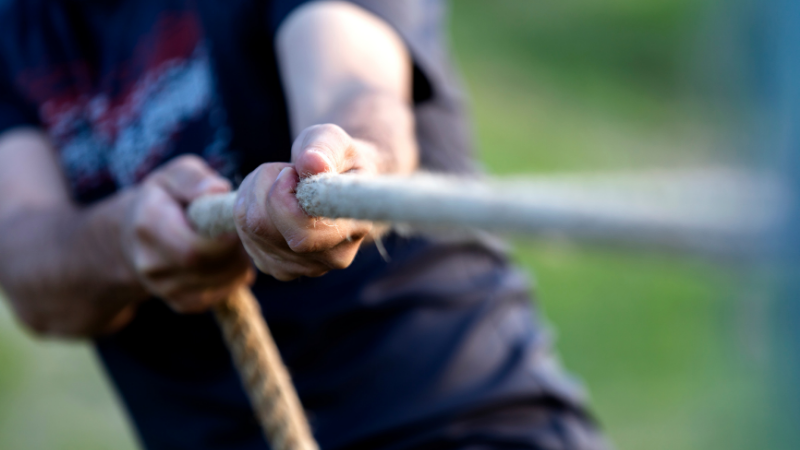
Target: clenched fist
<point x="173" y="262"/>
<point x="280" y="237"/>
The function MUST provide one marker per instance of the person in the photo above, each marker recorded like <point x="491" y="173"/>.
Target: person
<point x="116" y="114"/>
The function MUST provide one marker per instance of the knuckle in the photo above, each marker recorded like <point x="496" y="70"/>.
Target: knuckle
<point x="332" y="129"/>
<point x="255" y="224"/>
<point x="302" y="244"/>
<point x="189" y="162"/>
<point x="264" y="176"/>
<point x="260" y="171"/>
<point x="327" y="138"/>
<point x="149" y="192"/>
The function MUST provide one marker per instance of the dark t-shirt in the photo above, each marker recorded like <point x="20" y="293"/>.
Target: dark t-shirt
<point x="387" y="353"/>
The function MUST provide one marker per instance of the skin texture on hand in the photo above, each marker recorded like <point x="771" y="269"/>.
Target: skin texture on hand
<point x="170" y="259"/>
<point x="367" y="126"/>
<point x="280" y="237"/>
<point x="62" y="266"/>
<point x="81" y="271"/>
<point x="74" y="271"/>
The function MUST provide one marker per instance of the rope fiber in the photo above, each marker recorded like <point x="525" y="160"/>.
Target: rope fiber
<point x="265" y="377"/>
<point x="706" y="211"/>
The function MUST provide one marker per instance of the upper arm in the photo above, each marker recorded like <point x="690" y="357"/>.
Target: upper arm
<point x="30" y="175"/>
<point x="331" y="50"/>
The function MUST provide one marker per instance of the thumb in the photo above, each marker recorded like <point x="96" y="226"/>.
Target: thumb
<point x="321" y="149"/>
<point x="189" y="177"/>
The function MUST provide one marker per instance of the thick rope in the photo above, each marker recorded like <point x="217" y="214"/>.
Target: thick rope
<point x="267" y="381"/>
<point x="710" y="212"/>
<point x="702" y="211"/>
<point x="714" y="212"/>
<point x="265" y="377"/>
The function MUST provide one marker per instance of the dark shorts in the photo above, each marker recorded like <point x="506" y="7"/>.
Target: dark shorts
<point x="438" y="347"/>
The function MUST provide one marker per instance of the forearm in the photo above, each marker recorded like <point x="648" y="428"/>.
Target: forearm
<point x="63" y="268"/>
<point x="383" y="125"/>
<point x="347" y="81"/>
<point x="345" y="66"/>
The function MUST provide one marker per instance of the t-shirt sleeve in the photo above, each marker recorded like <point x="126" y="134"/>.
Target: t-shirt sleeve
<point x="418" y="25"/>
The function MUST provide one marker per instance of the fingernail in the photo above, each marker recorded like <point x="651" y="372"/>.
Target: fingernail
<point x="284" y="170"/>
<point x="328" y="163"/>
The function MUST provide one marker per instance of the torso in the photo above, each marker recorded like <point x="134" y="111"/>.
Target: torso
<point x="123" y="86"/>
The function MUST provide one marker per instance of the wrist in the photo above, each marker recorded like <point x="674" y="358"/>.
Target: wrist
<point x="108" y="222"/>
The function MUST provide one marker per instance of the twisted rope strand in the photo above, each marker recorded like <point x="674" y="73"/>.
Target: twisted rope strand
<point x="255" y="355"/>
<point x="710" y="212"/>
<point x="265" y="377"/>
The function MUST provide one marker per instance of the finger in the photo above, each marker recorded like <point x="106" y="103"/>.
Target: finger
<point x="251" y="215"/>
<point x="343" y="254"/>
<point x="305" y="234"/>
<point x="231" y="267"/>
<point x="190" y="292"/>
<point x="287" y="271"/>
<point x="167" y="278"/>
<point x="322" y="149"/>
<point x="170" y="242"/>
<point x="161" y="228"/>
<point x="189" y="177"/>
<point x="234" y="276"/>
<point x="198" y="301"/>
<point x="295" y="226"/>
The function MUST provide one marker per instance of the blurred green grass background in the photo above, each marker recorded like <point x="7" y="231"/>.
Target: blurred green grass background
<point x="664" y="343"/>
<point x="667" y="345"/>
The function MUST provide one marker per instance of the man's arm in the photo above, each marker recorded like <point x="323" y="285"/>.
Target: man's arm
<point x="342" y="65"/>
<point x="347" y="79"/>
<point x="73" y="271"/>
<point x="55" y="260"/>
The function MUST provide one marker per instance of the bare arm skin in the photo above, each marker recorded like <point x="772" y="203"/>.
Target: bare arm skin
<point x="347" y="78"/>
<point x="75" y="272"/>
